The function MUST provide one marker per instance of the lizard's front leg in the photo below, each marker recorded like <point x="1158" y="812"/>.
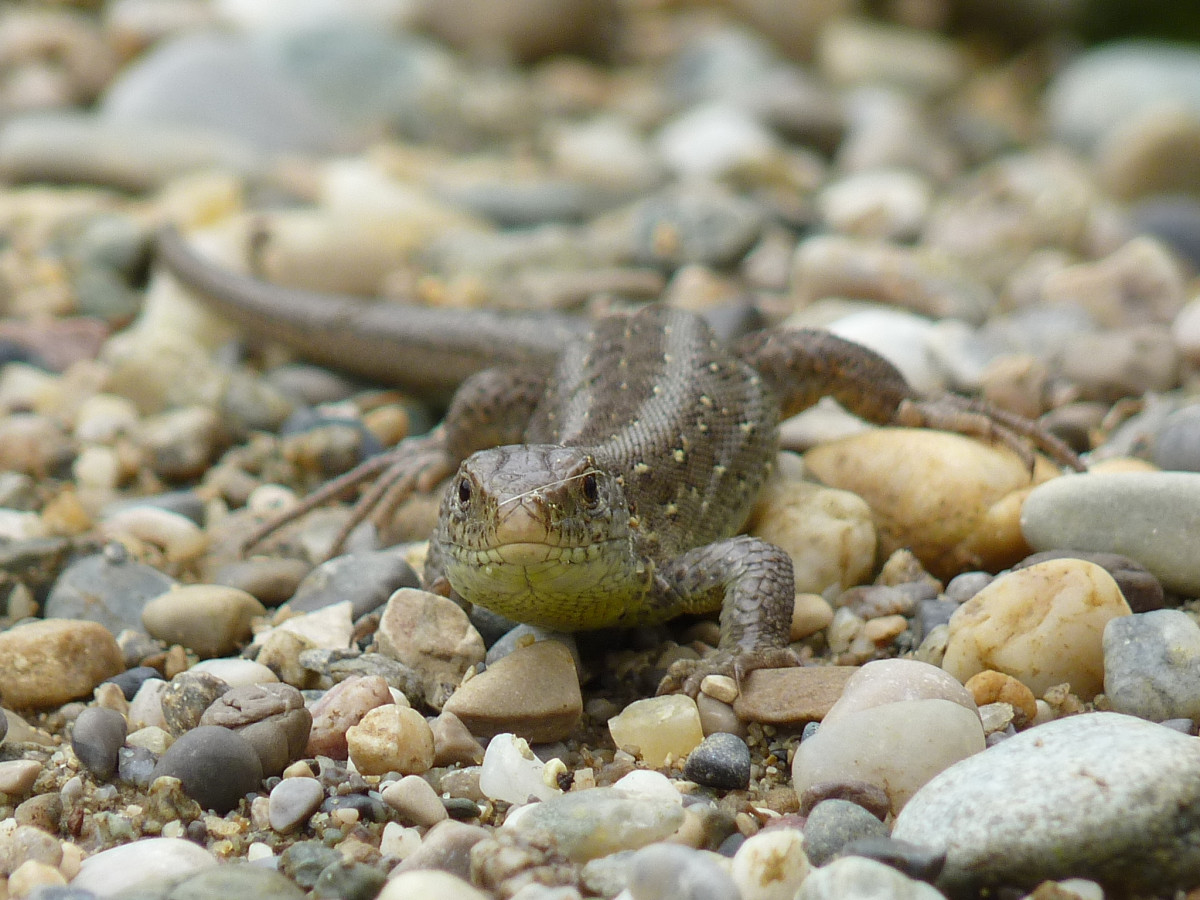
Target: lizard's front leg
<point x="803" y="365"/>
<point x="752" y="582"/>
<point x="491" y="407"/>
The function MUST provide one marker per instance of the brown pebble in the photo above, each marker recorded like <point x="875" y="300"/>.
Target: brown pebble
<point x="344" y="705"/>
<point x="453" y="743"/>
<point x="991" y="686"/>
<point x="533" y="692"/>
<point x="791" y="696"/>
<point x="871" y="797"/>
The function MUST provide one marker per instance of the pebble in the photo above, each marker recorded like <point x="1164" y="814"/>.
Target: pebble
<point x="533" y="692"/>
<point x="705" y="225"/>
<point x="720" y="761"/>
<point x="1152" y="665"/>
<point x="215" y="766"/>
<point x="271" y="581"/>
<point x="391" y="738"/>
<point x="17" y="776"/>
<point x="1141" y="590"/>
<point x="1175" y="445"/>
<point x="991" y="687"/>
<point x="889" y="205"/>
<point x="1126" y="781"/>
<point x="891" y="680"/>
<point x="272" y="717"/>
<point x="1044" y="625"/>
<point x="433" y="636"/>
<point x="511" y="772"/>
<point x="415" y="801"/>
<point x="109" y="587"/>
<point x="211" y="620"/>
<point x="342" y="706"/>
<point x="185" y="698"/>
<point x="791" y="696"/>
<point x="658" y="728"/>
<point x="827" y="533"/>
<point x="292" y="801"/>
<point x="671" y="870"/>
<point x="771" y="865"/>
<point x="953" y="501"/>
<point x="96" y="738"/>
<point x="898" y="746"/>
<point x="118" y="869"/>
<point x="599" y="821"/>
<point x="366" y="580"/>
<point x="712" y="140"/>
<point x="50" y="661"/>
<point x="236" y="673"/>
<point x="834" y="823"/>
<point x="859" y="878"/>
<point x="447" y="846"/>
<point x="429" y="883"/>
<point x="1143" y="515"/>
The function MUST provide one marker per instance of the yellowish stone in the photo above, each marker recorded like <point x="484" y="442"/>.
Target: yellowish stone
<point x="657" y="728"/>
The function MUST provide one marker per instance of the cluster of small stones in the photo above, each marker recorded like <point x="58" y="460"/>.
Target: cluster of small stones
<point x="1002" y="679"/>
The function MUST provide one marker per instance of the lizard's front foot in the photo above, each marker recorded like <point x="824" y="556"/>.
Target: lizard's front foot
<point x="685" y="675"/>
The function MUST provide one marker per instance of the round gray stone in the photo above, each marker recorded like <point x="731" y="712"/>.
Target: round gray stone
<point x="1102" y="796"/>
<point x="97" y="738"/>
<point x="834" y="823"/>
<point x="292" y="801"/>
<point x="1152" y="665"/>
<point x="675" y="872"/>
<point x="720" y="761"/>
<point x="216" y="767"/>
<point x="1152" y="517"/>
<point x="237" y="880"/>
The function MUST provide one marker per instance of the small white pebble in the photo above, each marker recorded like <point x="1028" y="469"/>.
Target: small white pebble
<point x="258" y="850"/>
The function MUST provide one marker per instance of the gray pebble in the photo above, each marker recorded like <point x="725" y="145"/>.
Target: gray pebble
<point x="721" y="761"/>
<point x="913" y="860"/>
<point x="304" y="861"/>
<point x="292" y="801"/>
<point x="1152" y="665"/>
<point x="216" y="767"/>
<point x="1149" y="516"/>
<point x="447" y="846"/>
<point x="834" y="823"/>
<point x="131" y="680"/>
<point x="346" y="880"/>
<point x="135" y="765"/>
<point x="237" y="880"/>
<point x="272" y="717"/>
<point x="369" y="808"/>
<point x="711" y="227"/>
<point x="59" y="892"/>
<point x="1177" y="444"/>
<point x="365" y="579"/>
<point x="96" y="738"/>
<point x="270" y="580"/>
<point x="1132" y="789"/>
<point x="107" y="587"/>
<point x="675" y="872"/>
<point x="930" y="614"/>
<point x="3" y="727"/>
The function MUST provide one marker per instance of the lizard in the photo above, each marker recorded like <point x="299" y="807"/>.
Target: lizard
<point x="601" y="477"/>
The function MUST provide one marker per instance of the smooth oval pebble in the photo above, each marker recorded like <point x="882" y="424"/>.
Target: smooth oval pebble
<point x="96" y="739"/>
<point x="859" y="878"/>
<point x="672" y="870"/>
<point x="771" y="865"/>
<point x="890" y="680"/>
<point x="50" y="661"/>
<point x="1043" y="625"/>
<point x="215" y="766"/>
<point x="415" y="800"/>
<point x="658" y="727"/>
<point x="721" y="761"/>
<point x="832" y="824"/>
<point x="898" y="746"/>
<point x="1149" y="516"/>
<point x="599" y="821"/>
<point x="210" y="619"/>
<point x="112" y="871"/>
<point x="1099" y="795"/>
<point x="429" y="883"/>
<point x="292" y="801"/>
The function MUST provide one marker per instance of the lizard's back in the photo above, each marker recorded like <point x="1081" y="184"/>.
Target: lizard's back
<point x="690" y="428"/>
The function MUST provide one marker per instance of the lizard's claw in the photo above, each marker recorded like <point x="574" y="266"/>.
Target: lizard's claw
<point x="685" y="675"/>
<point x="980" y="419"/>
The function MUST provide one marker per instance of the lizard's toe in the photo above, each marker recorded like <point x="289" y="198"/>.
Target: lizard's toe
<point x="685" y="675"/>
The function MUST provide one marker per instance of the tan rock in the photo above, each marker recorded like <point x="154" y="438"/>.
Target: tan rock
<point x="49" y="662"/>
<point x="208" y="619"/>
<point x="791" y="696"/>
<point x="990" y="686"/>
<point x="1043" y="625"/>
<point x="343" y="706"/>
<point x="955" y="502"/>
<point x="532" y="692"/>
<point x="810" y="613"/>
<point x="433" y="636"/>
<point x="887" y="681"/>
<point x="828" y="533"/>
<point x="391" y="739"/>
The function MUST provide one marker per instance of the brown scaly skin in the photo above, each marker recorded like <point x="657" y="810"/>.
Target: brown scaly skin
<point x="605" y="483"/>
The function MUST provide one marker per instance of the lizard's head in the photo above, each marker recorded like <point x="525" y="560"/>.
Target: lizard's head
<point x="544" y="535"/>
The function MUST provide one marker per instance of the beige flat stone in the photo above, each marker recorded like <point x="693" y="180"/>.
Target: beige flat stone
<point x="533" y="692"/>
<point x="791" y="696"/>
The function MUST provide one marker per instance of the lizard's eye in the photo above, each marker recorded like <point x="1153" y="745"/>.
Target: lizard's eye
<point x="591" y="490"/>
<point x="464" y="491"/>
